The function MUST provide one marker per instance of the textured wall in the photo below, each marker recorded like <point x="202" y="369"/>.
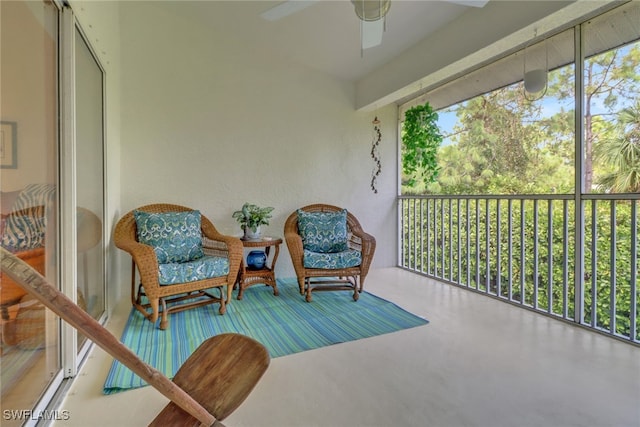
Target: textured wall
<point x="210" y="123"/>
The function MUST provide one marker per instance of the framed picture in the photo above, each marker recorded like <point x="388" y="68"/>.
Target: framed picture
<point x="8" y="145"/>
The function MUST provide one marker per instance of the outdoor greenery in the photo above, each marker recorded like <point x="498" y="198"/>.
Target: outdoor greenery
<point x="502" y="144"/>
<point x="464" y="242"/>
<point x="421" y="139"/>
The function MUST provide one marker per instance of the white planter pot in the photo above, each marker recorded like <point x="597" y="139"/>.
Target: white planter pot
<point x="250" y="234"/>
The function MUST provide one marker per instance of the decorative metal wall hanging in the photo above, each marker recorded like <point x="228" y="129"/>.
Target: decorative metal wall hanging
<point x="375" y="154"/>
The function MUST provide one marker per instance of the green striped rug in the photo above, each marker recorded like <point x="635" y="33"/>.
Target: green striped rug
<point x="285" y="324"/>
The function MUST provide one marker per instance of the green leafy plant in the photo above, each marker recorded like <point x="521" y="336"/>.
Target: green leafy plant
<point x="252" y="216"/>
<point x="421" y="139"/>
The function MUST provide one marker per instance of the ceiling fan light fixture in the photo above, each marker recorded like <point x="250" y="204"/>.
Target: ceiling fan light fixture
<point x="535" y="80"/>
<point x="371" y="10"/>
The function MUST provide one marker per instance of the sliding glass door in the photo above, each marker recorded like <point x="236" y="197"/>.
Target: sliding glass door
<point x="51" y="199"/>
<point x="30" y="362"/>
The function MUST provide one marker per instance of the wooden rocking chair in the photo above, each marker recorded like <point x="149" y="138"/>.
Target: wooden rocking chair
<point x="207" y="388"/>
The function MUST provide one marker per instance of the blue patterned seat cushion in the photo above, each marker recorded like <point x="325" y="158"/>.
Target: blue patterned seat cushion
<point x="175" y="236"/>
<point x="324" y="232"/>
<point x="203" y="268"/>
<point x="332" y="261"/>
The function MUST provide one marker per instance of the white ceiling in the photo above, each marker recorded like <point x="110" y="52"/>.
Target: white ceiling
<point x="326" y="34"/>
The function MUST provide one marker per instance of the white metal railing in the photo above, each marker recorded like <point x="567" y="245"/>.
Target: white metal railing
<point x="522" y="249"/>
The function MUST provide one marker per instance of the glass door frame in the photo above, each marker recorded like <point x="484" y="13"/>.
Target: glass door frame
<point x="72" y="357"/>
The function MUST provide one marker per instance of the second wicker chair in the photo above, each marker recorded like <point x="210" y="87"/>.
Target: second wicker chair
<point x="321" y="264"/>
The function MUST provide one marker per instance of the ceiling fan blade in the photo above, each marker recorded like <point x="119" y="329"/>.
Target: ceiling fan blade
<point x="372" y="33"/>
<point x="286" y="8"/>
<point x="472" y="3"/>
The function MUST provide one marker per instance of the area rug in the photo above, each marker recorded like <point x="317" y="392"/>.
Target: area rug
<point x="285" y="324"/>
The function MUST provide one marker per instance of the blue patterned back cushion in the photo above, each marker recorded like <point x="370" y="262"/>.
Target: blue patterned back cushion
<point x="23" y="232"/>
<point x="175" y="236"/>
<point x="324" y="232"/>
<point x="26" y="231"/>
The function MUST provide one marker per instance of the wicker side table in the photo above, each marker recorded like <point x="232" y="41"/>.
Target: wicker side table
<point x="248" y="277"/>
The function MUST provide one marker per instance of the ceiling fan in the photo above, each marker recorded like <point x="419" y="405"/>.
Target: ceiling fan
<point x="371" y="13"/>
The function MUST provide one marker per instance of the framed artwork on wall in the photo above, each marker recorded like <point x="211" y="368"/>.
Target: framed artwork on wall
<point x="8" y="145"/>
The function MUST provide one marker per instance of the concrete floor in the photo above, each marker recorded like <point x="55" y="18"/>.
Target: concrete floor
<point x="479" y="362"/>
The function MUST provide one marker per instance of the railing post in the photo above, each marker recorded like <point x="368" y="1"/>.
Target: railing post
<point x="612" y="268"/>
<point x="579" y="177"/>
<point x="468" y="250"/>
<point x="523" y="248"/>
<point x="594" y="263"/>
<point x="550" y="256"/>
<point x="565" y="259"/>
<point x="459" y="243"/>
<point x="487" y="233"/>
<point x="401" y="233"/>
<point x="510" y="250"/>
<point x="498" y="249"/>
<point x="535" y="254"/>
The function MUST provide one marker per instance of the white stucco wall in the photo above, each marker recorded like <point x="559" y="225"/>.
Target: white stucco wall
<point x="211" y="123"/>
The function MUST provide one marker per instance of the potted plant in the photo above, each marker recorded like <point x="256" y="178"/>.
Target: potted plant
<point x="251" y="217"/>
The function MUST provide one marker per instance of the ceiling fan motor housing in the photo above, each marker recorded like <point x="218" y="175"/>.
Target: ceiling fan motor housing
<point x="371" y="10"/>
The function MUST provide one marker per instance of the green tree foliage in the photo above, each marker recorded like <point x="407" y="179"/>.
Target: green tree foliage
<point x="500" y="148"/>
<point x="503" y="144"/>
<point x="621" y="152"/>
<point x="611" y="79"/>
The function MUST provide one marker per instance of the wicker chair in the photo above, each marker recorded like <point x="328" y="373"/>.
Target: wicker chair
<point x="144" y="257"/>
<point x="322" y="279"/>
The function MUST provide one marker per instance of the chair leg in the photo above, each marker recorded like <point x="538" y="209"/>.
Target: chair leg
<point x="154" y="303"/>
<point x="230" y="289"/>
<point x="223" y="307"/>
<point x="164" y="320"/>
<point x="301" y="284"/>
